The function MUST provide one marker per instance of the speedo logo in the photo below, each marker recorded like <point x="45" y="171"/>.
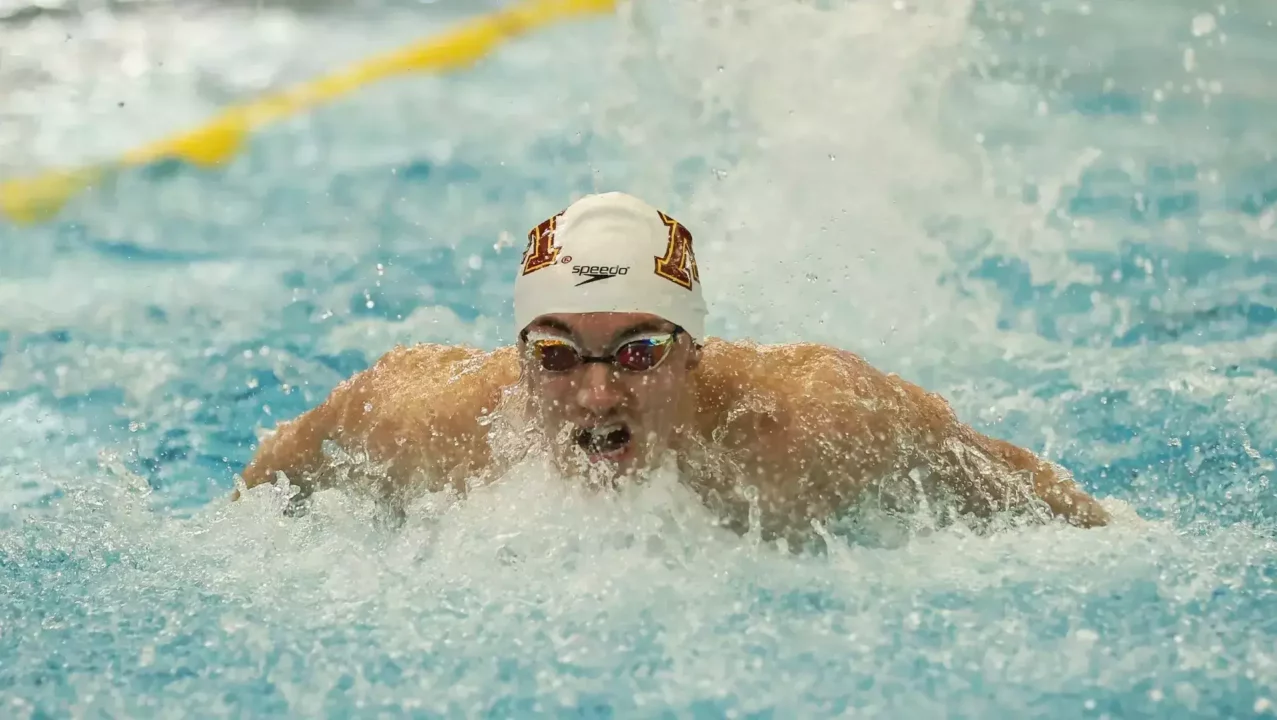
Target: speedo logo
<point x="594" y="273"/>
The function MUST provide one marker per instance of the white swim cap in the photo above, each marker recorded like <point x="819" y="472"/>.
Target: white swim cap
<point x="611" y="253"/>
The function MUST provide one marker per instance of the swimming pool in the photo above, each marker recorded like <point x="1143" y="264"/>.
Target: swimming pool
<point x="1059" y="216"/>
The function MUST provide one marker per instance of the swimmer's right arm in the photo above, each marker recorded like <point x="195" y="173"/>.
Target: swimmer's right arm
<point x="297" y="447"/>
<point x="414" y="413"/>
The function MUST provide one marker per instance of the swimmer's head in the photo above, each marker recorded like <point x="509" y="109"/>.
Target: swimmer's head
<point x="610" y="315"/>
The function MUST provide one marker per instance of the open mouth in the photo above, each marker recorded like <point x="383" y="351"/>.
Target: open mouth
<point x="604" y="441"/>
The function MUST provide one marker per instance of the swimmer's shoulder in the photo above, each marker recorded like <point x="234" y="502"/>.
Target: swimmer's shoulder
<point x="426" y="403"/>
<point x="436" y="358"/>
<point x="787" y="369"/>
<point x="410" y="386"/>
<point x="429" y="367"/>
<point x="776" y="390"/>
<point x="823" y="391"/>
<point x="416" y="407"/>
<point x="810" y="406"/>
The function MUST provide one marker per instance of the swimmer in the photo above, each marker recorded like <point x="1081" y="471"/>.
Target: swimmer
<point x="612" y="375"/>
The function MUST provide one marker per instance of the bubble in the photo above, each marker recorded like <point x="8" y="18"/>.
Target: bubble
<point x="1203" y="24"/>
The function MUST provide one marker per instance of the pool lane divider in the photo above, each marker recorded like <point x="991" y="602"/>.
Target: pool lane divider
<point x="27" y="201"/>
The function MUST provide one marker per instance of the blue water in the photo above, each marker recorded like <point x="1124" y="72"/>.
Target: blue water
<point x="1061" y="217"/>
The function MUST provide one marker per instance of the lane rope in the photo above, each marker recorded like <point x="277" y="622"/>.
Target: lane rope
<point x="36" y="199"/>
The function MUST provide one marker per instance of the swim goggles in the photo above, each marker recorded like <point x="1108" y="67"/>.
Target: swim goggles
<point x="557" y="354"/>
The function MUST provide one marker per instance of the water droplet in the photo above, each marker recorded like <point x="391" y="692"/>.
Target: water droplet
<point x="1203" y="24"/>
<point x="1268" y="220"/>
<point x="370" y="304"/>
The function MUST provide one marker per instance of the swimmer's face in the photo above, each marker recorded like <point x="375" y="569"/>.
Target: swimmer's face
<point x="616" y="416"/>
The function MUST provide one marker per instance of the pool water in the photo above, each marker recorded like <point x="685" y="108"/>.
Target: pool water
<point x="1061" y="216"/>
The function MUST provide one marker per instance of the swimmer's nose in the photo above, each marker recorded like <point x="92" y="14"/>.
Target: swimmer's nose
<point x="598" y="389"/>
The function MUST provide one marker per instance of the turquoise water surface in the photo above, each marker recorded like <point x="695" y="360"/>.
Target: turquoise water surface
<point x="1061" y="216"/>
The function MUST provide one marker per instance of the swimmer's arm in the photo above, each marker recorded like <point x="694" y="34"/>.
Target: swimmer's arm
<point x="413" y="414"/>
<point x="862" y="424"/>
<point x="364" y="415"/>
<point x="297" y="447"/>
<point x="988" y="474"/>
<point x="1051" y="483"/>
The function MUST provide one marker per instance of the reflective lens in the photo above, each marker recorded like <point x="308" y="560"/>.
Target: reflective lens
<point x="556" y="356"/>
<point x="644" y="354"/>
<point x="639" y="355"/>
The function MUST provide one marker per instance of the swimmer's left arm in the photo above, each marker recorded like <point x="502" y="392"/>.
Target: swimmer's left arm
<point x="870" y="424"/>
<point x="996" y="475"/>
<point x="991" y="475"/>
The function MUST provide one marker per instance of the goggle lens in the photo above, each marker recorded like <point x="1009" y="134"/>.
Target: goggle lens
<point x="557" y="356"/>
<point x="635" y="356"/>
<point x="642" y="355"/>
